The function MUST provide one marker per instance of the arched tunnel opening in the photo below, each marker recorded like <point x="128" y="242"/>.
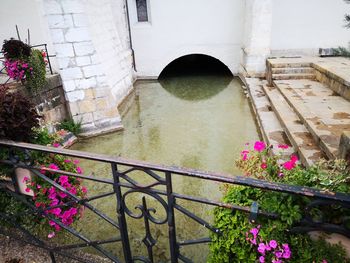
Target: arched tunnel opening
<point x="195" y="77"/>
<point x="195" y="65"/>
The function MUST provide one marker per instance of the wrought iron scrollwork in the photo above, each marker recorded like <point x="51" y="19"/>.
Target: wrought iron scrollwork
<point x="325" y="215"/>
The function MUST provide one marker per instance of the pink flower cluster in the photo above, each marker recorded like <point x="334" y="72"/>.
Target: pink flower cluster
<point x="271" y="249"/>
<point x="290" y="165"/>
<point x="46" y="195"/>
<point x="17" y="69"/>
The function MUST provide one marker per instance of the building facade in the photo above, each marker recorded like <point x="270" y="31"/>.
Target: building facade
<point x="102" y="46"/>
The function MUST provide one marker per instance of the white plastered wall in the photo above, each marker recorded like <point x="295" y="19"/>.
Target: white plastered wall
<point x="178" y="28"/>
<point x="303" y="26"/>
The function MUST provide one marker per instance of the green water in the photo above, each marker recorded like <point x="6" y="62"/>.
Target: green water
<point x="196" y="122"/>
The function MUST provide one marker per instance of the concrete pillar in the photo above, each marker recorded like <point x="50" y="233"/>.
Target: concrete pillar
<point x="87" y="88"/>
<point x="257" y="37"/>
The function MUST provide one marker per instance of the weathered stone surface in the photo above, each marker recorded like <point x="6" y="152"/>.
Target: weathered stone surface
<point x="344" y="146"/>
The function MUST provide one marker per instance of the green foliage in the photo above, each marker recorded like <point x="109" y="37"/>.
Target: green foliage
<point x="341" y="51"/>
<point x="71" y="125"/>
<point x="233" y="246"/>
<point x="43" y="137"/>
<point x="36" y="80"/>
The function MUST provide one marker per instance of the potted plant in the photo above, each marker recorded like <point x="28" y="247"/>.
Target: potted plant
<point x="24" y="64"/>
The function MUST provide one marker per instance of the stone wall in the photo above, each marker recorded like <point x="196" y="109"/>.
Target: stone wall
<point x="50" y="101"/>
<point x="96" y="69"/>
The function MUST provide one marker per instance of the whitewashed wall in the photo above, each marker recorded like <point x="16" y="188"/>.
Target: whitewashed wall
<point x="26" y="14"/>
<point x="183" y="27"/>
<point x="306" y="25"/>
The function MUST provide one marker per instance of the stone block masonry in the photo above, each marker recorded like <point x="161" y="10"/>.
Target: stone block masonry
<point x="95" y="63"/>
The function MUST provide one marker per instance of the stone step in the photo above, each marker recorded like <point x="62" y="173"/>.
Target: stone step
<point x="293" y="76"/>
<point x="270" y="127"/>
<point x="289" y="64"/>
<point x="306" y="70"/>
<point x="325" y="114"/>
<point x="299" y="136"/>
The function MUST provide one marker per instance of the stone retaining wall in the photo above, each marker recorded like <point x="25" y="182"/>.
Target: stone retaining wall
<point x="50" y="101"/>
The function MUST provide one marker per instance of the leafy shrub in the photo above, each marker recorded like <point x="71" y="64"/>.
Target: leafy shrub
<point x="71" y="125"/>
<point x="36" y="79"/>
<point x="237" y="242"/>
<point x="15" y="49"/>
<point x="17" y="116"/>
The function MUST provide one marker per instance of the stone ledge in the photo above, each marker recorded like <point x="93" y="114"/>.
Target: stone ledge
<point x="344" y="146"/>
<point x="101" y="131"/>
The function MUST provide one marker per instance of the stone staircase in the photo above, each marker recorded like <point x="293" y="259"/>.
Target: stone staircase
<point x="307" y="114"/>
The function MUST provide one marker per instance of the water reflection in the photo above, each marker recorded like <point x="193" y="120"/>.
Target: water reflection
<point x="195" y="87"/>
<point x="185" y="122"/>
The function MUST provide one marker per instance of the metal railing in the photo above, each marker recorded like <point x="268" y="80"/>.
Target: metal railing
<point x="160" y="190"/>
<point x="3" y="68"/>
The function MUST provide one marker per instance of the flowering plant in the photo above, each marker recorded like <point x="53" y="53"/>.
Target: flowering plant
<point x="25" y="64"/>
<point x="46" y="195"/>
<point x="18" y="70"/>
<point x="258" y="163"/>
<point x="272" y="240"/>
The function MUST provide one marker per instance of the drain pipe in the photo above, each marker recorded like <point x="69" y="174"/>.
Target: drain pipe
<point x="130" y="38"/>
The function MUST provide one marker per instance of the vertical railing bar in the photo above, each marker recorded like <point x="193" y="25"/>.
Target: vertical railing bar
<point x="52" y="256"/>
<point x="123" y="228"/>
<point x="48" y="58"/>
<point x="171" y="219"/>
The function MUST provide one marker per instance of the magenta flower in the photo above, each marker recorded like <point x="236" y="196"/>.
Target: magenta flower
<point x="84" y="190"/>
<point x="262" y="248"/>
<point x="289" y="165"/>
<point x="283" y="146"/>
<point x="67" y="161"/>
<point x="56" y="211"/>
<point x="76" y="161"/>
<point x="53" y="166"/>
<point x="79" y="170"/>
<point x="273" y="244"/>
<point x="56" y="144"/>
<point x="51" y="235"/>
<point x="259" y="146"/>
<point x="262" y="259"/>
<point x="263" y="165"/>
<point x="27" y="190"/>
<point x="294" y="158"/>
<point x="25" y="179"/>
<point x="63" y="180"/>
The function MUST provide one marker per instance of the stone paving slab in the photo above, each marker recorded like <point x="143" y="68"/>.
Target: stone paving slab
<point x="272" y="131"/>
<point x="324" y="113"/>
<point x="298" y="134"/>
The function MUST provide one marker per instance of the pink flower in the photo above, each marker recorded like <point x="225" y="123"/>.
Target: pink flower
<point x="67" y="161"/>
<point x="38" y="186"/>
<point x="273" y="244"/>
<point x="56" y="144"/>
<point x="76" y="161"/>
<point x="73" y="190"/>
<point x="56" y="211"/>
<point x="53" y="166"/>
<point x="278" y="254"/>
<point x="283" y="146"/>
<point x="63" y="180"/>
<point x="27" y="190"/>
<point x="62" y="195"/>
<point x="294" y="158"/>
<point x="244" y="155"/>
<point x="51" y="235"/>
<point x="262" y="248"/>
<point x="262" y="259"/>
<point x="25" y="179"/>
<point x="259" y="146"/>
<point x="84" y="190"/>
<point x="324" y="261"/>
<point x="263" y="165"/>
<point x="280" y="174"/>
<point x="289" y="165"/>
<point x="79" y="170"/>
<point x="276" y="261"/>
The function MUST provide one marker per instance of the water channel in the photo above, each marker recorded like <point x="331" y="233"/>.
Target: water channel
<point x="197" y="122"/>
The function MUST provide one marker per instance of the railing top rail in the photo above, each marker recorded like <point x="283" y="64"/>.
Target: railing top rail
<point x="213" y="176"/>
